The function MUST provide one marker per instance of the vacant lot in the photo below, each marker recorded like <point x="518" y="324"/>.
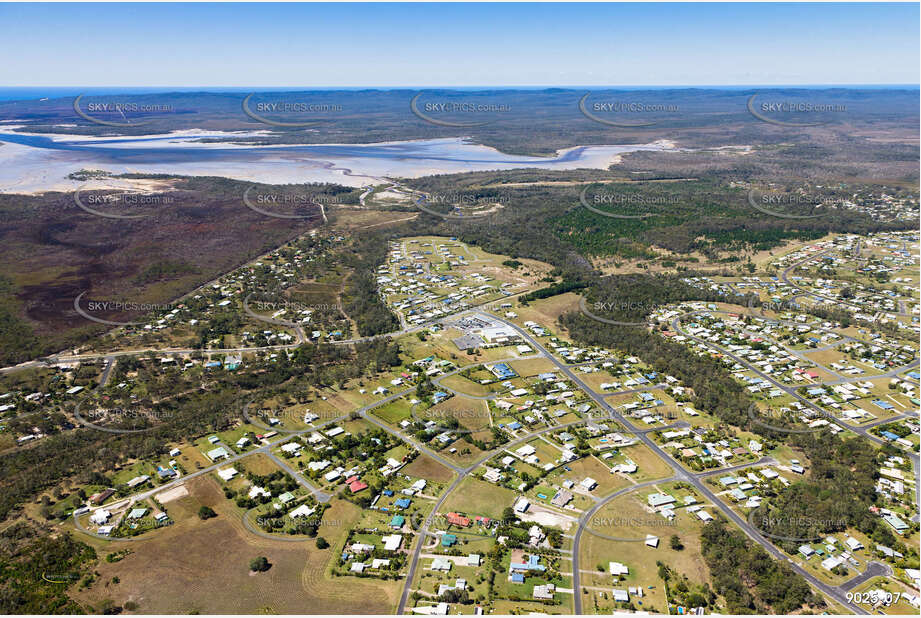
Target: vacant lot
<point x="427" y="468"/>
<point x="476" y="497"/>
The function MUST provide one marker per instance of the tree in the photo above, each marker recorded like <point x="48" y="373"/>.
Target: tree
<point x="259" y="564"/>
<point x="322" y="543"/>
<point x="675" y="543"/>
<point x="206" y="512"/>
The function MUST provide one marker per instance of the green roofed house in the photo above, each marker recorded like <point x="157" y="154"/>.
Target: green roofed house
<point x="447" y="540"/>
<point x="286" y="497"/>
<point x="137" y="513"/>
<point x="895" y="522"/>
<point x="397" y="521"/>
<point x="218" y="453"/>
<point x="657" y="500"/>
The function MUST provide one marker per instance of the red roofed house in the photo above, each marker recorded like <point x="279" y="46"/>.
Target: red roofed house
<point x="356" y="486"/>
<point x="483" y="521"/>
<point x="351" y="479"/>
<point x="458" y="520"/>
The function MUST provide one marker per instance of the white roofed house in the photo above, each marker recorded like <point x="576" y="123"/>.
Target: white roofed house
<point x="301" y="511"/>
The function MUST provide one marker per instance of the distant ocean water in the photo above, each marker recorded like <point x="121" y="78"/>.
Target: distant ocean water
<point x="39" y="92"/>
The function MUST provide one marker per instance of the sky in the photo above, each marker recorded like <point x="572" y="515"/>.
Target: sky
<point x="415" y="45"/>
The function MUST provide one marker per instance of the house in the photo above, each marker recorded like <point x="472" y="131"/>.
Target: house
<point x="356" y="486"/>
<point x="402" y="503"/>
<point x="291" y="448"/>
<point x="441" y="564"/>
<point x="138" y="480"/>
<point x="658" y="500"/>
<point x="218" y="453"/>
<point x="620" y="595"/>
<point x="301" y="511"/>
<point x="561" y="498"/>
<point x="806" y="551"/>
<point x="652" y="541"/>
<point x="392" y="542"/>
<point x="492" y="475"/>
<point x="100" y="517"/>
<point x="532" y="564"/>
<point x="853" y="543"/>
<point x="899" y="525"/>
<point x="102" y="496"/>
<point x="588" y="483"/>
<point x="831" y="562"/>
<point x="618" y="569"/>
<point x="448" y="540"/>
<point x="227" y="473"/>
<point x="397" y="522"/>
<point x="544" y="592"/>
<point x="137" y="513"/>
<point x="361" y="548"/>
<point x="521" y="505"/>
<point x="456" y="519"/>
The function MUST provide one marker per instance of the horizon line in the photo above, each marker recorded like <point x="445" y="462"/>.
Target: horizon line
<point x="504" y="86"/>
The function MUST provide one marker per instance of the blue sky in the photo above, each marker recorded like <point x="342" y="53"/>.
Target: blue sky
<point x="379" y="45"/>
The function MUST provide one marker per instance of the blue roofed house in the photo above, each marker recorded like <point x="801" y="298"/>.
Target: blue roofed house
<point x="403" y="503"/>
<point x="532" y="564"/>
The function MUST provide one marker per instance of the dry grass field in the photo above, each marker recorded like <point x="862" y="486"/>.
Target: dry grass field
<point x="184" y="558"/>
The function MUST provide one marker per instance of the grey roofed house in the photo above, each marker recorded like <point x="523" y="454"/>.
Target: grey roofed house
<point x="468" y="342"/>
<point x="561" y="498"/>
